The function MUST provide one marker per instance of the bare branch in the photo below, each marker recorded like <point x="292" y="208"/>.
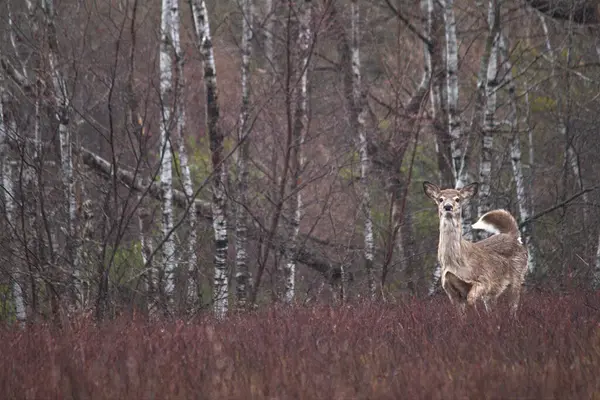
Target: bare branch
<point x="559" y="205"/>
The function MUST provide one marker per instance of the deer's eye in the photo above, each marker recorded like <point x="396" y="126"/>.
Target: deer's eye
<point x="456" y="199"/>
<point x="440" y="200"/>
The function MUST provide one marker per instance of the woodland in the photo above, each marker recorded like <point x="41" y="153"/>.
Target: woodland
<point x="224" y="199"/>
<point x="172" y="159"/>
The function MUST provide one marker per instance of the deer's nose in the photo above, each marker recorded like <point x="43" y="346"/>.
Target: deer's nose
<point x="447" y="207"/>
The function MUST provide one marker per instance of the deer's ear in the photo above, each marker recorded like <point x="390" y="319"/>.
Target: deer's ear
<point x="431" y="190"/>
<point x="469" y="191"/>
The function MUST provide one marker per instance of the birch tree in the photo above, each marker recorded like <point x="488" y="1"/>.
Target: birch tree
<point x="63" y="112"/>
<point x="523" y="194"/>
<point x="241" y="218"/>
<point x="9" y="209"/>
<point x="180" y="139"/>
<point x="358" y="115"/>
<point x="297" y="156"/>
<point x="458" y="144"/>
<point x="431" y="9"/>
<point x="166" y="172"/>
<point x="32" y="242"/>
<point x="219" y="177"/>
<point x="489" y="63"/>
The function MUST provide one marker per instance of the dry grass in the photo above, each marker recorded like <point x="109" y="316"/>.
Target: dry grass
<point x="362" y="351"/>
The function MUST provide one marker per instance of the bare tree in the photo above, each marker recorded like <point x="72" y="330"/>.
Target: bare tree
<point x="241" y="216"/>
<point x="523" y="194"/>
<point x="459" y="142"/>
<point x="9" y="209"/>
<point x="489" y="121"/>
<point x="358" y="115"/>
<point x="180" y="139"/>
<point x="63" y="111"/>
<point x="299" y="132"/>
<point x="166" y="149"/>
<point x="219" y="177"/>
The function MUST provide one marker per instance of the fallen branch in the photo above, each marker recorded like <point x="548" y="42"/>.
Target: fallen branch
<point x="307" y="257"/>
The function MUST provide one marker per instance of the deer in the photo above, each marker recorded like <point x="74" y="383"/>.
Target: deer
<point x="482" y="270"/>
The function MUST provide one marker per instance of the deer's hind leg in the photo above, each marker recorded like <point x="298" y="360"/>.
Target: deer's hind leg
<point x="514" y="297"/>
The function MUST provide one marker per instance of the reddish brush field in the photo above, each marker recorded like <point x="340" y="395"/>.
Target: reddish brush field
<point x="416" y="349"/>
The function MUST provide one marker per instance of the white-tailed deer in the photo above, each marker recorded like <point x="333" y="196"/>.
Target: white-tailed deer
<point x="481" y="270"/>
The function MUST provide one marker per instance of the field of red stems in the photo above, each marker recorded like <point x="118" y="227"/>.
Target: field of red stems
<point x="415" y="349"/>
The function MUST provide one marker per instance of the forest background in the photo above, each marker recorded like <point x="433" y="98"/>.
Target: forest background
<point x="170" y="158"/>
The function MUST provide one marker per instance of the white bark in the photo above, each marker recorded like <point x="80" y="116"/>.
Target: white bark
<point x="166" y="173"/>
<point x="359" y="114"/>
<point x="427" y="8"/>
<point x="299" y="136"/>
<point x="458" y="143"/>
<point x="241" y="219"/>
<point x="188" y="187"/>
<point x="63" y="115"/>
<point x="219" y="200"/>
<point x="515" y="155"/>
<point x="454" y="127"/>
<point x="489" y="124"/>
<point x="9" y="208"/>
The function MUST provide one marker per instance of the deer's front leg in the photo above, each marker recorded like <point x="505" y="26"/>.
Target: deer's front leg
<point x="457" y="290"/>
<point x="475" y="293"/>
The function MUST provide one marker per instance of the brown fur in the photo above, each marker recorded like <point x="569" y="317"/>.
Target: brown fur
<point x="482" y="270"/>
<point x="502" y="220"/>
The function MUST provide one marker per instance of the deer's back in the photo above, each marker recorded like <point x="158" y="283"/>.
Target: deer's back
<point x="499" y="258"/>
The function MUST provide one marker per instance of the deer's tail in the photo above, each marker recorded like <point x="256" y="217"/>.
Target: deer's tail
<point x="498" y="221"/>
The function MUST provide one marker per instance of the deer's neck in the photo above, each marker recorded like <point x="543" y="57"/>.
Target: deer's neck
<point x="450" y="246"/>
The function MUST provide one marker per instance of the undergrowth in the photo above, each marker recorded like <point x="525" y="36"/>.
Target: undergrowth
<point x="416" y="349"/>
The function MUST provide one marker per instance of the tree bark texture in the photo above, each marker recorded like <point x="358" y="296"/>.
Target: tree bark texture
<point x="523" y="199"/>
<point x="166" y="153"/>
<point x="299" y="133"/>
<point x="191" y="244"/>
<point x="242" y="273"/>
<point x="219" y="177"/>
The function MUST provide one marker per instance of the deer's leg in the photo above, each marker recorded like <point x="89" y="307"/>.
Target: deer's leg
<point x="457" y="290"/>
<point x="475" y="293"/>
<point x="487" y="304"/>
<point x="514" y="294"/>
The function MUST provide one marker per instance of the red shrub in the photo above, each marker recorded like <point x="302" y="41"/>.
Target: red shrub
<point x="417" y="349"/>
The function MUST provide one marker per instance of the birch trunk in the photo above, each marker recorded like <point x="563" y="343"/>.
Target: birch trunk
<point x="31" y="242"/>
<point x="166" y="173"/>
<point x="297" y="159"/>
<point x="359" y="120"/>
<point x="458" y="144"/>
<point x="63" y="115"/>
<point x="489" y="124"/>
<point x="515" y="155"/>
<point x="241" y="219"/>
<point x="9" y="205"/>
<point x="188" y="187"/>
<point x="429" y="9"/>
<point x="219" y="199"/>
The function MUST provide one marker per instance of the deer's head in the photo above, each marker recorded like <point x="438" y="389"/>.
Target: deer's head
<point x="450" y="201"/>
